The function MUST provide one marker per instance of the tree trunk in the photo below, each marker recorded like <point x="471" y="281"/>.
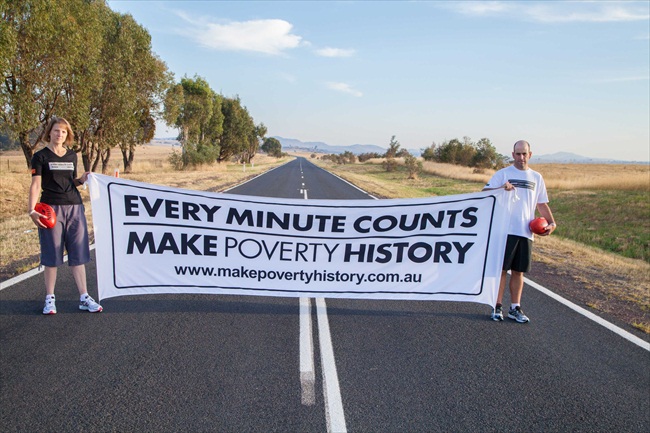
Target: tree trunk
<point x="28" y="150"/>
<point x="105" y="157"/>
<point x="128" y="155"/>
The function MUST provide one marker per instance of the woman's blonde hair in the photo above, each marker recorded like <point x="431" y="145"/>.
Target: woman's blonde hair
<point x="55" y="120"/>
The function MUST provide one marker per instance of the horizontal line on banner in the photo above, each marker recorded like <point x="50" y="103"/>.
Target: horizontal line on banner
<point x="219" y="229"/>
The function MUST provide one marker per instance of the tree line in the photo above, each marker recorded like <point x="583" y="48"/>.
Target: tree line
<point x="480" y="155"/>
<point x="80" y="60"/>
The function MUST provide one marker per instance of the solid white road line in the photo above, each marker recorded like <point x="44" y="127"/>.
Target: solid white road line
<point x="307" y="374"/>
<point x="331" y="390"/>
<point x="623" y="333"/>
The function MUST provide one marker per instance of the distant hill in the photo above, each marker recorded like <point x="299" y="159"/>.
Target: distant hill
<point x="572" y="158"/>
<point x="320" y="147"/>
<point x="167" y="141"/>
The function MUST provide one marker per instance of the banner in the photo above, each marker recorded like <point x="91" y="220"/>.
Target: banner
<point x="156" y="239"/>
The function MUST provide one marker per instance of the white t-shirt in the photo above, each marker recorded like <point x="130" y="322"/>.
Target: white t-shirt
<point x="530" y="190"/>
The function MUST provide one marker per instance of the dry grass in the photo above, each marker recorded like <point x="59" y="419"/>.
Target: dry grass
<point x="628" y="282"/>
<point x="617" y="177"/>
<point x="621" y="177"/>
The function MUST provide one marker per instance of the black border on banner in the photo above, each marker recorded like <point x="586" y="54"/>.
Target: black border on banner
<point x="299" y="203"/>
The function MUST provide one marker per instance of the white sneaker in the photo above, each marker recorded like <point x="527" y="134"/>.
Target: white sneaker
<point x="50" y="306"/>
<point x="89" y="304"/>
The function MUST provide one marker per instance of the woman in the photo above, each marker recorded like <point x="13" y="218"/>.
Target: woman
<point x="54" y="177"/>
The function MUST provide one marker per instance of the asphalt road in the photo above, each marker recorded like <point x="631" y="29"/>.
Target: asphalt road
<point x="170" y="363"/>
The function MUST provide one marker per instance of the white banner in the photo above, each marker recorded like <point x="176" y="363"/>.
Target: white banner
<point x="156" y="239"/>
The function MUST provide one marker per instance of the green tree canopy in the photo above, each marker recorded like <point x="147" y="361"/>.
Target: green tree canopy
<point x="273" y="147"/>
<point x="49" y="57"/>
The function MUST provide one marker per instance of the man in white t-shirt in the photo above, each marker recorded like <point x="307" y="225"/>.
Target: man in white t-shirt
<point x="531" y="193"/>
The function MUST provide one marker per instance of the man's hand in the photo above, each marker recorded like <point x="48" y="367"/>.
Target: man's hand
<point x="549" y="229"/>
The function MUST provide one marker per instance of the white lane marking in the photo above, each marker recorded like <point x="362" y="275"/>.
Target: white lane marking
<point x="307" y="371"/>
<point x="331" y="390"/>
<point x="588" y="314"/>
<point x="334" y="415"/>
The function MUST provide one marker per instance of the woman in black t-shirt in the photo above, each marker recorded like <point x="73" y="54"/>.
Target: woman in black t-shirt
<point x="54" y="178"/>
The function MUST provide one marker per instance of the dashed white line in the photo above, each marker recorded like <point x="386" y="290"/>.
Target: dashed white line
<point x="307" y="372"/>
<point x="331" y="390"/>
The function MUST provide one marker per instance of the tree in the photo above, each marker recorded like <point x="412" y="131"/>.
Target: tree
<point x="429" y="154"/>
<point x="197" y="111"/>
<point x="238" y="128"/>
<point x="124" y="107"/>
<point x="256" y="136"/>
<point x="363" y="157"/>
<point x="48" y="60"/>
<point x="393" y="148"/>
<point x="486" y="156"/>
<point x="273" y="147"/>
<point x="413" y="166"/>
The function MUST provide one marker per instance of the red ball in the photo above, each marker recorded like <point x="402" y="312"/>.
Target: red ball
<point x="538" y="225"/>
<point x="50" y="216"/>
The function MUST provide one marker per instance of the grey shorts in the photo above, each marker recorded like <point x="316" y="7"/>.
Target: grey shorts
<point x="70" y="233"/>
<point x="519" y="251"/>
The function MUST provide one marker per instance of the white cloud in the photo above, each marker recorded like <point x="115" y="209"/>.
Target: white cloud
<point x="268" y="36"/>
<point x="335" y="52"/>
<point x="345" y="88"/>
<point x="557" y="12"/>
<point x="602" y="13"/>
<point x="480" y="7"/>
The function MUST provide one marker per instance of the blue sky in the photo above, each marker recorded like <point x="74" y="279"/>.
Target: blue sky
<point x="566" y="76"/>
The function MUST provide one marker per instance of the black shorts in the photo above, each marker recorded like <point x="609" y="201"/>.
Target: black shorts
<point x="519" y="251"/>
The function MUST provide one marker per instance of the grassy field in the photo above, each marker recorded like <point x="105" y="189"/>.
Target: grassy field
<point x="603" y="213"/>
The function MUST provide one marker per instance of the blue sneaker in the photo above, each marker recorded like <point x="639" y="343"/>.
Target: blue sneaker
<point x="518" y="314"/>
<point x="50" y="305"/>
<point x="89" y="304"/>
<point x="497" y="314"/>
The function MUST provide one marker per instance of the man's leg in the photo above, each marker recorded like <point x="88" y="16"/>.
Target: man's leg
<point x="497" y="312"/>
<point x="502" y="286"/>
<point x="516" y="286"/>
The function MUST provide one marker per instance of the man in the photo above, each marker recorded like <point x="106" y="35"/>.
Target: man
<point x="531" y="193"/>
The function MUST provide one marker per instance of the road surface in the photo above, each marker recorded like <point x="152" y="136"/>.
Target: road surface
<point x="170" y="363"/>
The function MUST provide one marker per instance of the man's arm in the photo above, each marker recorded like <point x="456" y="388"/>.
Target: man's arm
<point x="545" y="211"/>
<point x="507" y="186"/>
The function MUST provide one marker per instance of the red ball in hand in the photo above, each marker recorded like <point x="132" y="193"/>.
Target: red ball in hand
<point x="538" y="225"/>
<point x="50" y="216"/>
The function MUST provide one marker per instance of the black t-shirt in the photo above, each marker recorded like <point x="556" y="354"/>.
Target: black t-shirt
<point x="57" y="176"/>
